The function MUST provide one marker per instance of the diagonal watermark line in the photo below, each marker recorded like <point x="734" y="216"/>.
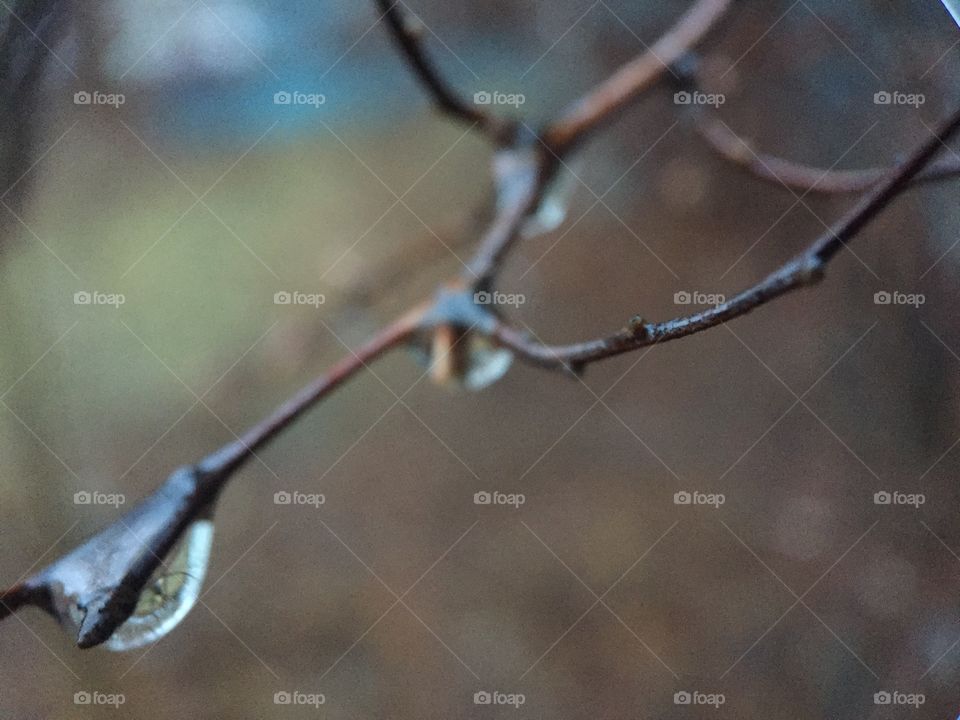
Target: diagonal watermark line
<point x="939" y="59"/>
<point x="840" y="40"/>
<point x="759" y="39"/>
<point x="198" y="398"/>
<point x="600" y="400"/>
<point x="39" y="40"/>
<point x="402" y="401"/>
<point x="205" y="593"/>
<point x="39" y="159"/>
<point x="557" y="41"/>
<point x="798" y="599"/>
<point x="158" y="40"/>
<point x="800" y="398"/>
<point x="352" y="46"/>
<point x="957" y="641"/>
<point x="799" y="199"/>
<point x="396" y="402"/>
<point x="239" y="639"/>
<point x="197" y="402"/>
<point x="600" y="200"/>
<point x="666" y="66"/>
<point x="399" y="199"/>
<point x="240" y="40"/>
<point x="39" y="359"/>
<point x="438" y="39"/>
<point x="599" y="600"/>
<point x="199" y="199"/>
<point x="39" y="240"/>
<point x="399" y="599"/>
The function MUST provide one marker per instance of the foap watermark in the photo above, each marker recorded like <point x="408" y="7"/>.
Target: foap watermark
<point x="695" y="297"/>
<point x="685" y="97"/>
<point x="495" y="697"/>
<point x="895" y="97"/>
<point x="83" y="97"/>
<point x="95" y="697"/>
<point x="295" y="697"/>
<point x="714" y="500"/>
<point x="695" y="697"/>
<point x="514" y="500"/>
<point x="897" y="697"/>
<point x="487" y="97"/>
<point x="282" y="497"/>
<point x="914" y="500"/>
<point x="295" y="97"/>
<point x="498" y="298"/>
<point x="87" y="497"/>
<point x="284" y="297"/>
<point x="83" y="297"/>
<point x="885" y="297"/>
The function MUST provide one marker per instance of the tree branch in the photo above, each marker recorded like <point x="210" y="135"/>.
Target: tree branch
<point x="805" y="269"/>
<point x="782" y="172"/>
<point x="611" y="96"/>
<point x="408" y="37"/>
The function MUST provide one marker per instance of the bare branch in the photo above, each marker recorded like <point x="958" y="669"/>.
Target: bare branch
<point x="782" y="172"/>
<point x="603" y="102"/>
<point x="805" y="269"/>
<point x="407" y="33"/>
<point x="94" y="588"/>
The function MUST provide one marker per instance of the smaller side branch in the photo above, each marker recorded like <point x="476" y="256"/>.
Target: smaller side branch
<point x="798" y="176"/>
<point x="406" y="32"/>
<point x="803" y="270"/>
<point x="608" y="98"/>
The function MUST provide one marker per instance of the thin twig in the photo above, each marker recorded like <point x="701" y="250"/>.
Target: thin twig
<point x="407" y="33"/>
<point x="611" y="96"/>
<point x="805" y="269"/>
<point x="797" y="176"/>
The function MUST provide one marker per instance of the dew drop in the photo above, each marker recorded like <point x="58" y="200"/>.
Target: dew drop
<point x="170" y="594"/>
<point x="485" y="364"/>
<point x="472" y="363"/>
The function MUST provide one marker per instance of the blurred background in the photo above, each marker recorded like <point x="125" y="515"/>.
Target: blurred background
<point x="182" y="210"/>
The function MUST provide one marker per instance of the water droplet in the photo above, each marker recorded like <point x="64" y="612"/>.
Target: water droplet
<point x="170" y="593"/>
<point x="485" y="364"/>
<point x="470" y="363"/>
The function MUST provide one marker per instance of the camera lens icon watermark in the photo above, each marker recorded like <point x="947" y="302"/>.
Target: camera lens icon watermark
<point x="695" y="497"/>
<point x="897" y="697"/>
<point x="514" y="500"/>
<point x="94" y="697"/>
<point x="895" y="497"/>
<point x="695" y="297"/>
<point x="695" y="697"/>
<point x="685" y="97"/>
<point x="295" y="97"/>
<point x="895" y="97"/>
<point x="895" y="297"/>
<point x="487" y="97"/>
<point x="314" y="500"/>
<point x="484" y="297"/>
<point x="85" y="297"/>
<point x="294" y="297"/>
<point x="87" y="497"/>
<point x="295" y="697"/>
<point x="495" y="697"/>
<point x="83" y="97"/>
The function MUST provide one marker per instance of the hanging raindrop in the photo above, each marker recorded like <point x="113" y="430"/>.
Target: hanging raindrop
<point x="471" y="363"/>
<point x="170" y="593"/>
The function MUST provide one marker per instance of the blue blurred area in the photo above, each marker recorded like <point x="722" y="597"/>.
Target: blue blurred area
<point x="210" y="80"/>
